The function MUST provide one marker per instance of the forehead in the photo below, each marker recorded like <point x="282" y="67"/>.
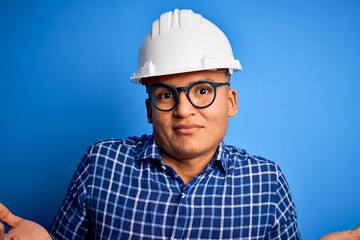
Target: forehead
<point x="182" y="79"/>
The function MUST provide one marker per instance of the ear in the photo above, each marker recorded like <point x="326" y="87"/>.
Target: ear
<point x="149" y="110"/>
<point x="232" y="102"/>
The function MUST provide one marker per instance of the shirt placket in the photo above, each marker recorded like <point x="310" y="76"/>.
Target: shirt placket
<point x="181" y="221"/>
<point x="181" y="197"/>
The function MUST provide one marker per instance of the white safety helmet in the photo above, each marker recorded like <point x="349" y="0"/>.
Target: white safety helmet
<point x="183" y="41"/>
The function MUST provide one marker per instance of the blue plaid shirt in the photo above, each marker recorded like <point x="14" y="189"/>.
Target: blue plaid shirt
<point x="123" y="190"/>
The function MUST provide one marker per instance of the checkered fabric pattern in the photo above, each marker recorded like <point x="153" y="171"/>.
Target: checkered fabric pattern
<point x="123" y="190"/>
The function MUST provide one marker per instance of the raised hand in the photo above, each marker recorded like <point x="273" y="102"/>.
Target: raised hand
<point x="344" y="235"/>
<point x="20" y="229"/>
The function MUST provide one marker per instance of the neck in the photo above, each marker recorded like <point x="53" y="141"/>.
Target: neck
<point x="188" y="168"/>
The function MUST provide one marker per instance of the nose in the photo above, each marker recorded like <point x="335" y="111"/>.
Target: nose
<point x="184" y="107"/>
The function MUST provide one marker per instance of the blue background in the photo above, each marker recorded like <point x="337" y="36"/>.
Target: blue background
<point x="64" y="83"/>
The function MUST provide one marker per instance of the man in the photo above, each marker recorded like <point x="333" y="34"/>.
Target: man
<point x="182" y="182"/>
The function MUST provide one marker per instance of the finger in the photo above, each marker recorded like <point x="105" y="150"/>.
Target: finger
<point x="356" y="232"/>
<point x="7" y="217"/>
<point x="2" y="229"/>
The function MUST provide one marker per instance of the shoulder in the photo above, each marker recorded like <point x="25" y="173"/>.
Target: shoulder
<point x="118" y="150"/>
<point x="121" y="146"/>
<point x="114" y="153"/>
<point x="240" y="160"/>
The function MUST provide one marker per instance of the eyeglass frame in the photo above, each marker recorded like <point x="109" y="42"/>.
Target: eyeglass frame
<point x="151" y="88"/>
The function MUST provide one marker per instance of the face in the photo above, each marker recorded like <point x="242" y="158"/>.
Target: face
<point x="188" y="132"/>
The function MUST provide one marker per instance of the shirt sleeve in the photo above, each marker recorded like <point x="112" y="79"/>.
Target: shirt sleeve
<point x="286" y="218"/>
<point x="71" y="221"/>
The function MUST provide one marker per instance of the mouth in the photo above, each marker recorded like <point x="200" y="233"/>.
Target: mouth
<point x="187" y="129"/>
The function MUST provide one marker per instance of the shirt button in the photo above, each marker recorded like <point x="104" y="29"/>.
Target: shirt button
<point x="183" y="195"/>
<point x="163" y="168"/>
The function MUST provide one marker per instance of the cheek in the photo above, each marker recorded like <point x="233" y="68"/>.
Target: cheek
<point x="160" y="120"/>
<point x="220" y="112"/>
<point x="219" y="109"/>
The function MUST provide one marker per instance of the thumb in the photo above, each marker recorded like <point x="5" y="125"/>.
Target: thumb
<point x="7" y="217"/>
<point x="356" y="232"/>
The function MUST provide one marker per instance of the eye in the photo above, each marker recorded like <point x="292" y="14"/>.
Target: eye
<point x="202" y="91"/>
<point x="165" y="95"/>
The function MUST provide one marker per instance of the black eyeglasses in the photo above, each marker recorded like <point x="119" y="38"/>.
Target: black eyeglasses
<point x="200" y="94"/>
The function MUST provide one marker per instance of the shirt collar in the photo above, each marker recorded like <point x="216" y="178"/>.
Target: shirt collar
<point x="150" y="150"/>
<point x="221" y="156"/>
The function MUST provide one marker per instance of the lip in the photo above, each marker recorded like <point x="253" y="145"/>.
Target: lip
<point x="187" y="129"/>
